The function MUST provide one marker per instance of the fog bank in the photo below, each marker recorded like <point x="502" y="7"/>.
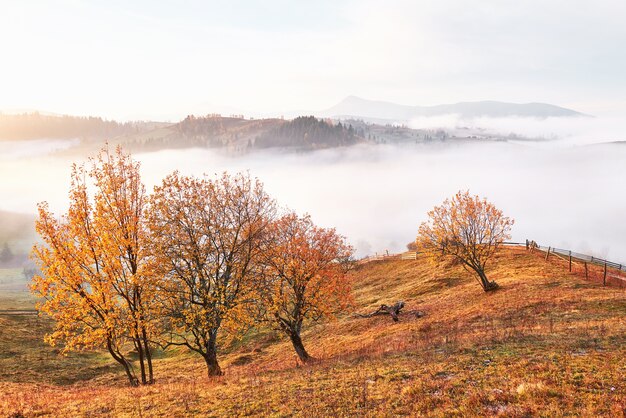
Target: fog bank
<point x="378" y="195"/>
<point x="554" y="131"/>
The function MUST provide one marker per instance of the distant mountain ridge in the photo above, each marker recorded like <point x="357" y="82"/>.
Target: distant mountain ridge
<point x="353" y="106"/>
<point x="353" y="120"/>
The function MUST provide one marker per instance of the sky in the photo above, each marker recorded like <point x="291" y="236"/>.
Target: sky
<point x="162" y="60"/>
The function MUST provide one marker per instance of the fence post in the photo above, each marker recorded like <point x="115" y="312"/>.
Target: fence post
<point x="548" y="253"/>
<point x="570" y="261"/>
<point x="604" y="280"/>
<point x="586" y="272"/>
<point x="527" y="245"/>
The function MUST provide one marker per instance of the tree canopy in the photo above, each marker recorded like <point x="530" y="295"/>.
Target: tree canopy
<point x="95" y="282"/>
<point x="206" y="240"/>
<point x="305" y="276"/>
<point x="468" y="229"/>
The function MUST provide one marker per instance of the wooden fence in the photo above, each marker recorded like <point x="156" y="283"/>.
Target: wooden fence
<point x="594" y="268"/>
<point x="407" y="255"/>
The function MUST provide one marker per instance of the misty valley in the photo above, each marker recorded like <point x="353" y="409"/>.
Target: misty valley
<point x="373" y="182"/>
<point x="347" y="208"/>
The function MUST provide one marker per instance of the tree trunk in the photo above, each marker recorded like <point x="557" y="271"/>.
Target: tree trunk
<point x="486" y="284"/>
<point x="298" y="346"/>
<point x="132" y="379"/>
<point x="148" y="356"/>
<point x="210" y="356"/>
<point x="127" y="367"/>
<point x="213" y="367"/>
<point x="142" y="366"/>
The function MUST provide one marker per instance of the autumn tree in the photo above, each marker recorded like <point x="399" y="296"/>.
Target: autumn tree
<point x="206" y="236"/>
<point x="468" y="229"/>
<point x="305" y="276"/>
<point x="94" y="277"/>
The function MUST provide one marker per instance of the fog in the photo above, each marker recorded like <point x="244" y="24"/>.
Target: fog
<point x="12" y="150"/>
<point x="377" y="195"/>
<point x="554" y="131"/>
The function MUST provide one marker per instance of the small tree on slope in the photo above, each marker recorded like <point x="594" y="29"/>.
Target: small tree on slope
<point x="467" y="228"/>
<point x="305" y="276"/>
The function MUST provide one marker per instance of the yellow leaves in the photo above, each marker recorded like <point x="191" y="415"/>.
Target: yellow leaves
<point x="466" y="227"/>
<point x="92" y="277"/>
<point x="206" y="235"/>
<point x="120" y="267"/>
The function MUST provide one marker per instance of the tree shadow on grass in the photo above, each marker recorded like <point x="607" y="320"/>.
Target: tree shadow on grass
<point x="26" y="358"/>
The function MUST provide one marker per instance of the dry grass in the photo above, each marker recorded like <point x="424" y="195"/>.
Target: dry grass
<point x="547" y="343"/>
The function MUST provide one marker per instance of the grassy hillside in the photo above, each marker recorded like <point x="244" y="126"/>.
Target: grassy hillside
<point x="232" y="133"/>
<point x="237" y="134"/>
<point x="547" y="343"/>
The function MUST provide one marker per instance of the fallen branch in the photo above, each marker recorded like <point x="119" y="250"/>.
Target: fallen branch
<point x="393" y="310"/>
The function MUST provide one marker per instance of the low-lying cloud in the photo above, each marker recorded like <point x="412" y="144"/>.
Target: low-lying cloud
<point x="378" y="195"/>
<point x="560" y="131"/>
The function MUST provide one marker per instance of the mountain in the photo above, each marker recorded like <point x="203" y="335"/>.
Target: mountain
<point x="357" y="107"/>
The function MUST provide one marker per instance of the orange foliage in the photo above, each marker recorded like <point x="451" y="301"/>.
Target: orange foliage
<point x="305" y="276"/>
<point x="467" y="228"/>
<point x="206" y="237"/>
<point x="94" y="279"/>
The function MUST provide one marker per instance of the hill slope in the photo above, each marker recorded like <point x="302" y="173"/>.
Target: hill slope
<point x="239" y="134"/>
<point x="547" y="342"/>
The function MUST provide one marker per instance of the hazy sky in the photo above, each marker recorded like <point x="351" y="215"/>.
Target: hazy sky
<point x="165" y="59"/>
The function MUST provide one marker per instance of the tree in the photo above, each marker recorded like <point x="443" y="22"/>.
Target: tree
<point x="94" y="277"/>
<point x="6" y="255"/>
<point x="467" y="228"/>
<point x="305" y="276"/>
<point x="206" y="240"/>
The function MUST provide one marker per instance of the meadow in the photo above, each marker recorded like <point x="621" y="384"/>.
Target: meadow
<point x="547" y="343"/>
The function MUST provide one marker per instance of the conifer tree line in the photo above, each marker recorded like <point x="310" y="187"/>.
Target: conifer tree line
<point x="30" y="126"/>
<point x="309" y="132"/>
<point x="196" y="263"/>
